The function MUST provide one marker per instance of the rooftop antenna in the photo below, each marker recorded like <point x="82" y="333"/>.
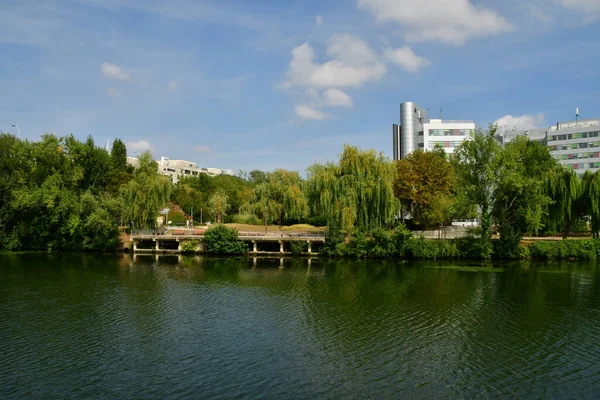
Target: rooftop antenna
<point x="576" y="116"/>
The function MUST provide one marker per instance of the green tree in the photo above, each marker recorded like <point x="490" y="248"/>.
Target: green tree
<point x="591" y="199"/>
<point x="257" y="177"/>
<point x="281" y="196"/>
<point x="520" y="197"/>
<point x="218" y="205"/>
<point x="118" y="156"/>
<point x="357" y="191"/>
<point x="565" y="189"/>
<point x="145" y="194"/>
<point x="423" y="180"/>
<point x="476" y="169"/>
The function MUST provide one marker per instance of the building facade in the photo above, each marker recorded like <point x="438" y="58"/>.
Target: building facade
<point x="177" y="169"/>
<point x="418" y="131"/>
<point x="574" y="144"/>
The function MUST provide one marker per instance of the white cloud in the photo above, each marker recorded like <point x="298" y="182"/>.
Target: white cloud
<point x="112" y="71"/>
<point x="522" y="122"/>
<point x="448" y="21"/>
<point x="336" y="98"/>
<point x="113" y="92"/>
<point x="406" y="58"/>
<point x="353" y="64"/>
<point x="318" y="20"/>
<point x="202" y="148"/>
<point x="174" y="85"/>
<point x="139" y="146"/>
<point x="307" y="112"/>
<point x="589" y="8"/>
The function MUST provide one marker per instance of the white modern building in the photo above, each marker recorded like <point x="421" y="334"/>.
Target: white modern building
<point x="177" y="169"/>
<point x="574" y="144"/>
<point x="418" y="131"/>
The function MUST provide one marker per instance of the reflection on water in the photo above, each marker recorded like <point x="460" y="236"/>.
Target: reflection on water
<point x="178" y="327"/>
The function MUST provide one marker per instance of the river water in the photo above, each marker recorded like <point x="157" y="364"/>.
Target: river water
<point x="108" y="327"/>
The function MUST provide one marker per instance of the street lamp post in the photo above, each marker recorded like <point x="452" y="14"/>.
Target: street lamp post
<point x="18" y="130"/>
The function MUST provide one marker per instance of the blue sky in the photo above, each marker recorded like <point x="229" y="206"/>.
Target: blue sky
<point x="282" y="84"/>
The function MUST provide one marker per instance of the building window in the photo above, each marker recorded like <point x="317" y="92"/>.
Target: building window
<point x="421" y="145"/>
<point x="420" y="133"/>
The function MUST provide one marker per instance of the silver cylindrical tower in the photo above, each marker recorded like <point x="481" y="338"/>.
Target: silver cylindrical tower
<point x="409" y="124"/>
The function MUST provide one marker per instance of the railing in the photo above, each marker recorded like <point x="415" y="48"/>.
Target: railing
<point x="201" y="231"/>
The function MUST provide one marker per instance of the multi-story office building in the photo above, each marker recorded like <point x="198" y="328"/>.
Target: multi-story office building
<point x="575" y="144"/>
<point x="418" y="131"/>
<point x="177" y="169"/>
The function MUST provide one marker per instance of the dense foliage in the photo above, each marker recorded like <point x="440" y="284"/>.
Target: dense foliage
<point x="145" y="194"/>
<point x="423" y="184"/>
<point x="54" y="195"/>
<point x="220" y="239"/>
<point x="65" y="194"/>
<point x="358" y="191"/>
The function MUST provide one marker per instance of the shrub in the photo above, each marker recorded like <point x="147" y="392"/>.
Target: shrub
<point x="422" y="249"/>
<point x="565" y="249"/>
<point x="220" y="239"/>
<point x="358" y="246"/>
<point x="189" y="246"/>
<point x="298" y="246"/>
<point x="334" y="240"/>
<point x="508" y="245"/>
<point x="400" y="238"/>
<point x="381" y="244"/>
<point x="100" y="233"/>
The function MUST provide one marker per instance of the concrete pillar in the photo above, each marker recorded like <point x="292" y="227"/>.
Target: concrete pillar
<point x="281" y="262"/>
<point x="254" y="246"/>
<point x="157" y="244"/>
<point x="178" y="246"/>
<point x="309" y="247"/>
<point x="135" y="246"/>
<point x="281" y="246"/>
<point x="254" y="261"/>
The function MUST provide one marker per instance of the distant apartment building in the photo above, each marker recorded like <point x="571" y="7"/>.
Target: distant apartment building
<point x="575" y="144"/>
<point x="177" y="169"/>
<point x="418" y="131"/>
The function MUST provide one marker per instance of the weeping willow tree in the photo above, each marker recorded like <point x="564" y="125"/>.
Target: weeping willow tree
<point x="358" y="191"/>
<point x="280" y="197"/>
<point x="145" y="194"/>
<point x="218" y="205"/>
<point x="591" y="197"/>
<point x="565" y="189"/>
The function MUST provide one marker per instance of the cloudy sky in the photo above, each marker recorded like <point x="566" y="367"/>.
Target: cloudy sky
<point x="271" y="83"/>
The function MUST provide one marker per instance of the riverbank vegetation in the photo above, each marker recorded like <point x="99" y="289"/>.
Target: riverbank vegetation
<point x="65" y="194"/>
